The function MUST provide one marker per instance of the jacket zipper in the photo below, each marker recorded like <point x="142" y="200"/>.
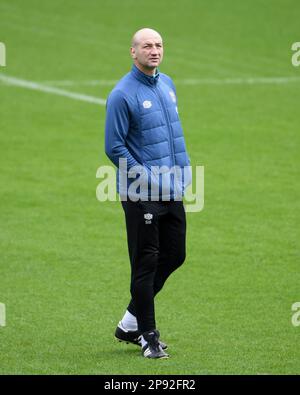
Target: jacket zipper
<point x="168" y="124"/>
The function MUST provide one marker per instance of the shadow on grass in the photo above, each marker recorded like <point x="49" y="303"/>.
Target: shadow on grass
<point x="122" y="351"/>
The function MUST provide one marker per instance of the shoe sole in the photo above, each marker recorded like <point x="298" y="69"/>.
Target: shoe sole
<point x="164" y="357"/>
<point x="127" y="342"/>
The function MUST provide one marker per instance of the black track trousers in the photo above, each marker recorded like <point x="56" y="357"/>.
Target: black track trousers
<point x="156" y="245"/>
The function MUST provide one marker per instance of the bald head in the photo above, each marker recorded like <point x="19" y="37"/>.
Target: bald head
<point x="147" y="50"/>
<point x="144" y="34"/>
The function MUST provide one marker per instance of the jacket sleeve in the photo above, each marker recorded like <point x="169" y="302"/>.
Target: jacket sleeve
<point x="116" y="129"/>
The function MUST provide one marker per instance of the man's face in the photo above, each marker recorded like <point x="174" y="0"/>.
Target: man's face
<point x="148" y="52"/>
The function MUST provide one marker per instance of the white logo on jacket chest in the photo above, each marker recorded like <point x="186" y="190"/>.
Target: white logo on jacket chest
<point x="147" y="104"/>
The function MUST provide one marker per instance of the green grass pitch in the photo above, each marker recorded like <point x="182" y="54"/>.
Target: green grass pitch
<point x="64" y="268"/>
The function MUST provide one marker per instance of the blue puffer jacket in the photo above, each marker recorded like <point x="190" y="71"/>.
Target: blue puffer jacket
<point x="143" y="126"/>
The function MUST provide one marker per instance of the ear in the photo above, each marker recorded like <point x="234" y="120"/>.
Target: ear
<point x="132" y="52"/>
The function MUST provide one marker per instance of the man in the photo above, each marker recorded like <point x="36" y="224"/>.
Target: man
<point x="143" y="129"/>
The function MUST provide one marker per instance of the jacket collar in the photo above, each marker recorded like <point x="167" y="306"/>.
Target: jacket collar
<point x="144" y="78"/>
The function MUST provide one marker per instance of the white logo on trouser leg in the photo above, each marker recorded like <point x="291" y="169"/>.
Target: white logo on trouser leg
<point x="148" y="217"/>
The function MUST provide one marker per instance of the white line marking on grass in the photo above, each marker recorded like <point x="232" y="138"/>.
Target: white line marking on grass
<point x="240" y="81"/>
<point x="50" y="89"/>
<point x="43" y="87"/>
<point x="188" y="81"/>
<point x="2" y="314"/>
<point x="76" y="83"/>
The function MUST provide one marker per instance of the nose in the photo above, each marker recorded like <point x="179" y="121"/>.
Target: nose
<point x="154" y="51"/>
